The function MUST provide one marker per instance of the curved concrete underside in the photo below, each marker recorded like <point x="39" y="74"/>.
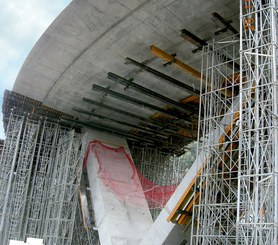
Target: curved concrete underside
<point x="91" y="38"/>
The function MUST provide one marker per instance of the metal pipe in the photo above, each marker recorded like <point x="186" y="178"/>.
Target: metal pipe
<point x="40" y="147"/>
<point x="146" y="91"/>
<point x="31" y="160"/>
<point x="50" y="169"/>
<point x="126" y="98"/>
<point x="273" y="14"/>
<point x="169" y="58"/>
<point x="173" y="81"/>
<point x="110" y="130"/>
<point x="134" y="116"/>
<point x="5" y="206"/>
<point x="226" y="23"/>
<point x="169" y="129"/>
<point x="199" y="43"/>
<point x="158" y="133"/>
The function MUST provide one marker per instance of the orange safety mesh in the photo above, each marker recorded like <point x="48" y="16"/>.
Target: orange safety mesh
<point x="126" y="186"/>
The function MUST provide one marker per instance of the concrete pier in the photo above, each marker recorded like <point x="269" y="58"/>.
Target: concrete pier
<point x="118" y="221"/>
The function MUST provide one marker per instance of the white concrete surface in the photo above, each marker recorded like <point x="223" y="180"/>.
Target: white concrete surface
<point x="29" y="241"/>
<point x="34" y="241"/>
<point x="14" y="242"/>
<point x="118" y="222"/>
<point x="91" y="38"/>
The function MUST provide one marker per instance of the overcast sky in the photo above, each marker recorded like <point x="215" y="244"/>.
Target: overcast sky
<point x="22" y="23"/>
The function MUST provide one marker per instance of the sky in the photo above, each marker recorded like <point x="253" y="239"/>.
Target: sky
<point x="21" y="25"/>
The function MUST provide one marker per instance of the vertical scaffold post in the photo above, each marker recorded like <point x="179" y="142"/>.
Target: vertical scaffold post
<point x="215" y="186"/>
<point x="257" y="209"/>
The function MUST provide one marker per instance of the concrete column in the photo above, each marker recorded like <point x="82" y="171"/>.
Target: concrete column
<point x="167" y="233"/>
<point x="119" y="222"/>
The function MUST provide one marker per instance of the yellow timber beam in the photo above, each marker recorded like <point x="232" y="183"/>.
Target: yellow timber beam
<point x="187" y="199"/>
<point x="169" y="58"/>
<point x="188" y="69"/>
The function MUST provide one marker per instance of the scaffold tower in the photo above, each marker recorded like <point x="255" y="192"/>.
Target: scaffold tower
<point x="8" y="165"/>
<point x="216" y="184"/>
<point x="236" y="191"/>
<point x="40" y="169"/>
<point x="257" y="211"/>
<point x="63" y="191"/>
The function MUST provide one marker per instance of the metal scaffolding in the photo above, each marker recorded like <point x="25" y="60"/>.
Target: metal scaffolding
<point x="8" y="165"/>
<point x="82" y="235"/>
<point x="236" y="190"/>
<point x="40" y="172"/>
<point x="22" y="176"/>
<point x="257" y="216"/>
<point x="163" y="169"/>
<point x="216" y="186"/>
<point x="1" y="146"/>
<point x="63" y="195"/>
<point x="40" y="180"/>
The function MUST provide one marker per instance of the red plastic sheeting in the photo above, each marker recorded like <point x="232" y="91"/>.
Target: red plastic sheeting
<point x="127" y="185"/>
